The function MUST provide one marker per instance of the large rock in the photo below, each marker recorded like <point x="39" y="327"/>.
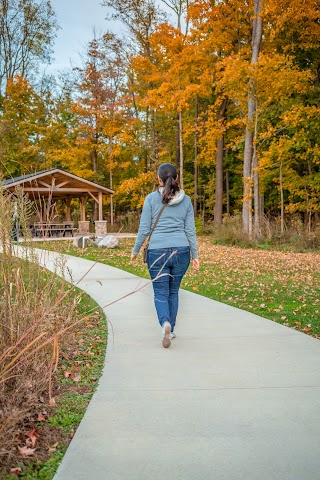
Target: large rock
<point x="109" y="241"/>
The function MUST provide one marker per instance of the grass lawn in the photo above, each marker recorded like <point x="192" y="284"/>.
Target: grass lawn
<point x="281" y="286"/>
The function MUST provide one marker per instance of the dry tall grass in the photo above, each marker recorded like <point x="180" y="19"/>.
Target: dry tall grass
<point x="37" y="313"/>
<point x="295" y="234"/>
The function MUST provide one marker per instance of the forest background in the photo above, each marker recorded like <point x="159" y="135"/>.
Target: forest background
<point x="226" y="90"/>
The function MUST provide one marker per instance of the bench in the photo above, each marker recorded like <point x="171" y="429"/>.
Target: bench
<point x="52" y="229"/>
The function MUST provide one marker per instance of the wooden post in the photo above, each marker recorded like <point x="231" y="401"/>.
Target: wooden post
<point x="83" y="209"/>
<point x="68" y="211"/>
<point x="84" y="225"/>
<point x="100" y="207"/>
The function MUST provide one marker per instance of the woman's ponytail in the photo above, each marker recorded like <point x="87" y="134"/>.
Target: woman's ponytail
<point x="168" y="174"/>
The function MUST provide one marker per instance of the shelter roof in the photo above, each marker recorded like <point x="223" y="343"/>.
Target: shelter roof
<point x="55" y="182"/>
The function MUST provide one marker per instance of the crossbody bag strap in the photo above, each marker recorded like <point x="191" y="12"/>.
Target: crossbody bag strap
<point x="155" y="223"/>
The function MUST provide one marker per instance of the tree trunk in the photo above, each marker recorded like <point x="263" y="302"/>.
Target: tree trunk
<point x="177" y="142"/>
<point x="111" y="199"/>
<point x="247" y="161"/>
<point x="281" y="200"/>
<point x="154" y="139"/>
<point x="218" y="206"/>
<point x="146" y="147"/>
<point x="110" y="154"/>
<point x="94" y="157"/>
<point x="228" y="192"/>
<point x="256" y="189"/>
<point x="181" y="149"/>
<point x="195" y="196"/>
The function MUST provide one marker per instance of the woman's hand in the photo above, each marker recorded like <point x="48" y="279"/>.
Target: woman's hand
<point x="195" y="263"/>
<point x="133" y="257"/>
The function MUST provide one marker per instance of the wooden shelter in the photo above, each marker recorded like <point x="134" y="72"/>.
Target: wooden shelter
<point x="56" y="184"/>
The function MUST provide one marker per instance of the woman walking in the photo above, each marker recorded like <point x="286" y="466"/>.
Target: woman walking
<point x="168" y="217"/>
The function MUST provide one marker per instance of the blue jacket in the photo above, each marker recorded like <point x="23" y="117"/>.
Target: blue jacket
<point x="175" y="228"/>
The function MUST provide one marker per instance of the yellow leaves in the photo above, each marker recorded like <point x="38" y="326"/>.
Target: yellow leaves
<point x="167" y="41"/>
<point x="298" y="19"/>
<point x="297" y="152"/>
<point x="276" y="79"/>
<point x="176" y="73"/>
<point x="135" y="189"/>
<point x="209" y="132"/>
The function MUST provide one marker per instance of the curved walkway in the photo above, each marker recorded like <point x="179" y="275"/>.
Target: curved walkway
<point x="235" y="397"/>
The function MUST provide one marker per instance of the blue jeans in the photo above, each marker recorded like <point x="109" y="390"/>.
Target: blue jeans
<point x="170" y="264"/>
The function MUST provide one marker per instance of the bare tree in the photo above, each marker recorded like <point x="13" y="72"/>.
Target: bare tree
<point x="179" y="7"/>
<point x="140" y="17"/>
<point x="27" y="30"/>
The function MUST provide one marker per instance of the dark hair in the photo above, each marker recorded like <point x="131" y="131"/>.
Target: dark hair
<point x="168" y="174"/>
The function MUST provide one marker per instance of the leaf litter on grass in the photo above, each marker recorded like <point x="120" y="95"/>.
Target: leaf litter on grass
<point x="281" y="286"/>
<point x="277" y="285"/>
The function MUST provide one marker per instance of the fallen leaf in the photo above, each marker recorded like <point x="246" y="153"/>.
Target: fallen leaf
<point x="67" y="374"/>
<point x="41" y="417"/>
<point x="77" y="378"/>
<point x="25" y="451"/>
<point x="53" y="448"/>
<point x="16" y="470"/>
<point x="33" y="436"/>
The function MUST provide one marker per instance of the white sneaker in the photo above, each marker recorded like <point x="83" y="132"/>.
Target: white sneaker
<point x="172" y="335"/>
<point x="166" y="331"/>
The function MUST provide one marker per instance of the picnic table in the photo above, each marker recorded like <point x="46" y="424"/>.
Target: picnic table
<point x="52" y="229"/>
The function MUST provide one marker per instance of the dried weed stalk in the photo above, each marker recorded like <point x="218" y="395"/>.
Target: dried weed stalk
<point x="35" y="306"/>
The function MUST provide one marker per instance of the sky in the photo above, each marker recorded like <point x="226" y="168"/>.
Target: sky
<point x="77" y="20"/>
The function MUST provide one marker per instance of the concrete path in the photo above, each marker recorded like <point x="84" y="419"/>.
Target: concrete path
<point x="235" y="397"/>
